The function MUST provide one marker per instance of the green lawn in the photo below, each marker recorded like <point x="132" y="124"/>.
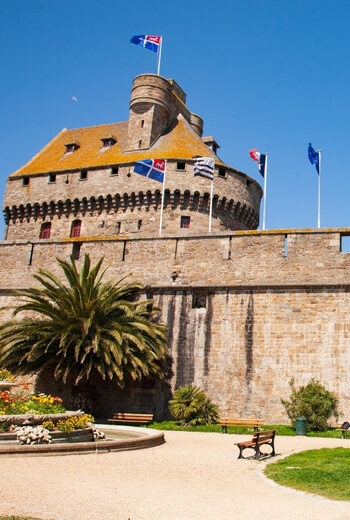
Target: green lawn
<point x="324" y="472"/>
<point x="280" y="429"/>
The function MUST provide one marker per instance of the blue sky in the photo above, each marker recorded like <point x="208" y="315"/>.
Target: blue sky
<point x="265" y="74"/>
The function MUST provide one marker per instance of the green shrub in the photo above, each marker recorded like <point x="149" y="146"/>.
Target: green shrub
<point x="4" y="427"/>
<point x="313" y="402"/>
<point x="190" y="406"/>
<point x="6" y="375"/>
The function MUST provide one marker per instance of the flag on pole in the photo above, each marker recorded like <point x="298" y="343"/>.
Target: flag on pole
<point x="260" y="158"/>
<point x="149" y="42"/>
<point x="152" y="168"/>
<point x="204" y="166"/>
<point x="314" y="157"/>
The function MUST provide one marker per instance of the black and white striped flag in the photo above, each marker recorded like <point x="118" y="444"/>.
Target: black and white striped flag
<point x="204" y="166"/>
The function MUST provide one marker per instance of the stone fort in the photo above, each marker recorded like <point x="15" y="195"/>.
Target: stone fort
<point x="246" y="310"/>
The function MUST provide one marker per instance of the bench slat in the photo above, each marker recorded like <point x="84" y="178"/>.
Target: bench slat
<point x="137" y="418"/>
<point x="233" y="421"/>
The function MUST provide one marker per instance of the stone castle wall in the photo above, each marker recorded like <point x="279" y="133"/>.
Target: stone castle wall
<point x="246" y="311"/>
<point x="119" y="201"/>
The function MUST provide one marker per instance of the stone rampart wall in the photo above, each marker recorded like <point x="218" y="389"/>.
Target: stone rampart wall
<point x="246" y="312"/>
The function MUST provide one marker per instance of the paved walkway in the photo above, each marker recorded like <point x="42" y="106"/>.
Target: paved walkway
<point x="194" y="476"/>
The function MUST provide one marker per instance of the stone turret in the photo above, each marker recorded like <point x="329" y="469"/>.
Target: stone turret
<point x="155" y="104"/>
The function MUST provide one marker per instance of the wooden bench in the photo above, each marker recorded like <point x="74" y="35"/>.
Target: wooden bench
<point x="343" y="430"/>
<point x="132" y="418"/>
<point x="252" y="422"/>
<point x="258" y="440"/>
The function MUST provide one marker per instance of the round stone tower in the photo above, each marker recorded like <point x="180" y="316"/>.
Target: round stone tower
<point x="83" y="183"/>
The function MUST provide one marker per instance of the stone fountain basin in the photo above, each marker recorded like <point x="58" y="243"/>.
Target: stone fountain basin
<point x="29" y="419"/>
<point x="82" y="435"/>
<point x="119" y="438"/>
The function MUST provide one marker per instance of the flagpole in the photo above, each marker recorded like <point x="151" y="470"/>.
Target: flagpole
<point x="265" y="183"/>
<point x="319" y="190"/>
<point x="211" y="200"/>
<point x="162" y="206"/>
<point x="159" y="54"/>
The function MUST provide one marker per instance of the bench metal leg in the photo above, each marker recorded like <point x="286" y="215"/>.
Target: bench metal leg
<point x="241" y="448"/>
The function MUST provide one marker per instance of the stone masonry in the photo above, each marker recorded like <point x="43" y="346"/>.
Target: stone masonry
<point x="246" y="310"/>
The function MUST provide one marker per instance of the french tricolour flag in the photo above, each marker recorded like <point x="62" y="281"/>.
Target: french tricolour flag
<point x="260" y="158"/>
<point x="152" y="168"/>
<point x="149" y="42"/>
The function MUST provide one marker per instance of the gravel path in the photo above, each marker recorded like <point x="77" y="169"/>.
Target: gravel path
<point x="194" y="476"/>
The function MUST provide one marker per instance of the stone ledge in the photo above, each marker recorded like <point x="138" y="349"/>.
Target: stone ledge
<point x="146" y="439"/>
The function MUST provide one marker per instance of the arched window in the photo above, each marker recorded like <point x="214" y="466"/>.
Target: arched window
<point x="75" y="229"/>
<point x="45" y="230"/>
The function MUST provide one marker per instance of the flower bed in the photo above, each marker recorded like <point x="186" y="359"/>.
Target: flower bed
<point x="22" y="403"/>
<point x="37" y="419"/>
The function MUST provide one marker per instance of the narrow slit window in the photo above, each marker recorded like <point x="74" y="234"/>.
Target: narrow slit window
<point x="199" y="300"/>
<point x="139" y="224"/>
<point x="75" y="229"/>
<point x="185" y="222"/>
<point x="285" y="246"/>
<point x="118" y="227"/>
<point x="181" y="165"/>
<point x="45" y="230"/>
<point x="142" y="123"/>
<point x="140" y="143"/>
<point x="76" y="250"/>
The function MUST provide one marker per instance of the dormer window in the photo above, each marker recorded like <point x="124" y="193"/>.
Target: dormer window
<point x="211" y="143"/>
<point x="71" y="147"/>
<point x="108" y="141"/>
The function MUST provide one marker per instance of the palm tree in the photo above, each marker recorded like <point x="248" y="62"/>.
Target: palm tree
<point x="190" y="406"/>
<point x="83" y="327"/>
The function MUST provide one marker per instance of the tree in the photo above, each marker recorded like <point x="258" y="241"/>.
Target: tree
<point x="83" y="326"/>
<point x="190" y="406"/>
<point x="313" y="402"/>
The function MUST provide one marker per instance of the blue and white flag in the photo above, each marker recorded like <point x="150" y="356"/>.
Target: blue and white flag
<point x="152" y="168"/>
<point x="149" y="42"/>
<point x="314" y="157"/>
<point x="204" y="166"/>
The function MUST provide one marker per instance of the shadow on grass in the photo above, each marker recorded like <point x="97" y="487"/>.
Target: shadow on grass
<point x="281" y="429"/>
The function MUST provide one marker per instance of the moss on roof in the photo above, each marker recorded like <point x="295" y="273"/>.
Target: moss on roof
<point x="179" y="142"/>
